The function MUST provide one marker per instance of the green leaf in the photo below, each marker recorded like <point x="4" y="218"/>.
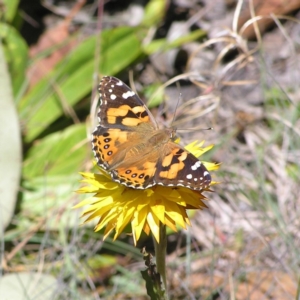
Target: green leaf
<point x="154" y="12"/>
<point x="154" y="94"/>
<point x="10" y="150"/>
<point x="198" y="34"/>
<point x="150" y="286"/>
<point x="156" y="46"/>
<point x="101" y="261"/>
<point x="164" y="45"/>
<point x="59" y="153"/>
<point x="16" y="55"/>
<point x="10" y="9"/>
<point x="72" y="79"/>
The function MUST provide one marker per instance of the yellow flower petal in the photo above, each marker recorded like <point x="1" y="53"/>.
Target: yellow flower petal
<point x="153" y="223"/>
<point x="159" y="211"/>
<point x="108" y="229"/>
<point x="170" y="223"/>
<point x="138" y="223"/>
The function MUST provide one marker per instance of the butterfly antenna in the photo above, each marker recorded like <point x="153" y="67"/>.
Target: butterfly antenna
<point x="177" y="104"/>
<point x="195" y="129"/>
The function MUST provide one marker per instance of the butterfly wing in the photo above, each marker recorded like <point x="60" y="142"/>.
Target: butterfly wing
<point x="178" y="167"/>
<point x="124" y="121"/>
<point x="171" y="165"/>
<point x="139" y="175"/>
<point x="120" y="107"/>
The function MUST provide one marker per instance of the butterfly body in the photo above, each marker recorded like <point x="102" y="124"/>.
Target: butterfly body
<point x="128" y="144"/>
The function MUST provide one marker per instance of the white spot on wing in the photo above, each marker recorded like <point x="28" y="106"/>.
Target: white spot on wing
<point x="128" y="94"/>
<point x="196" y="165"/>
<point x="189" y="176"/>
<point x="119" y="83"/>
<point x="113" y="96"/>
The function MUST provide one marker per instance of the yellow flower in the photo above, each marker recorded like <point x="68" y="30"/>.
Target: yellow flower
<point x="116" y="205"/>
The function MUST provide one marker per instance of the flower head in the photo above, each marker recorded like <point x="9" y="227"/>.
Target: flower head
<point x="117" y="205"/>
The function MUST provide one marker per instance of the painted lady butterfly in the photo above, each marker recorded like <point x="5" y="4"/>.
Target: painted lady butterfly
<point x="129" y="145"/>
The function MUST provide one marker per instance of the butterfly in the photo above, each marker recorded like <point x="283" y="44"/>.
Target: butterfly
<point x="128" y="144"/>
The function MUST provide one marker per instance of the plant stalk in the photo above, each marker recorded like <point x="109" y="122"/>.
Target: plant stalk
<point x="160" y="254"/>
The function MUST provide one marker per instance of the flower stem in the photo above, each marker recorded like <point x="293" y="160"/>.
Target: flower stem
<point x="160" y="254"/>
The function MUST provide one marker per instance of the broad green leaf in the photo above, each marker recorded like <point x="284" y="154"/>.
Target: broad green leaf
<point x="59" y="153"/>
<point x="16" y="54"/>
<point x="10" y="9"/>
<point x="72" y="79"/>
<point x="10" y="150"/>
